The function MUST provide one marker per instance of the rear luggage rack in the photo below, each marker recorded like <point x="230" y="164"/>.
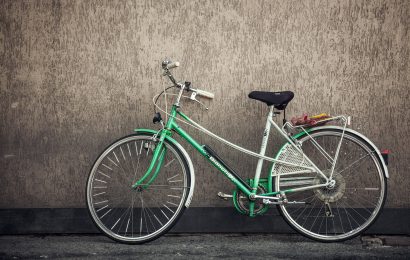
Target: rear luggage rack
<point x="292" y="129"/>
<point x="345" y="120"/>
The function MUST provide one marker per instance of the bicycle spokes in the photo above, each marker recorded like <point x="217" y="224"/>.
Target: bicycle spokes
<point x="344" y="207"/>
<point x="146" y="211"/>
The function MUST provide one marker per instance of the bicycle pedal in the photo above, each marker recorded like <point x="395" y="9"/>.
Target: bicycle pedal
<point x="224" y="196"/>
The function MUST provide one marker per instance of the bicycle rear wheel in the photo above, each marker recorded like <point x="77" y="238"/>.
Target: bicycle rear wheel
<point x="137" y="215"/>
<point x="338" y="212"/>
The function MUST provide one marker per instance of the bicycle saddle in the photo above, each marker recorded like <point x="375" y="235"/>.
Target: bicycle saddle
<point x="278" y="99"/>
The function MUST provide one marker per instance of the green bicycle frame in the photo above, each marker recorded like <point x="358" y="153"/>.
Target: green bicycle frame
<point x="160" y="149"/>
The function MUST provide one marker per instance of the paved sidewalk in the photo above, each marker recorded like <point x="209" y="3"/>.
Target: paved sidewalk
<point x="199" y="246"/>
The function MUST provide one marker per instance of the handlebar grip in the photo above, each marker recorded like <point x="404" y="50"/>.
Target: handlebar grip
<point x="205" y="93"/>
<point x="173" y="65"/>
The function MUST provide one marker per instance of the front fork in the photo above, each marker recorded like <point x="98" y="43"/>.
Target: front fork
<point x="160" y="150"/>
<point x="157" y="159"/>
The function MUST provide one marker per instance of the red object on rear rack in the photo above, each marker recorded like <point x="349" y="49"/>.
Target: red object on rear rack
<point x="309" y="120"/>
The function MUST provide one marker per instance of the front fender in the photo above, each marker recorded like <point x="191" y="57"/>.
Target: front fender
<point x="184" y="153"/>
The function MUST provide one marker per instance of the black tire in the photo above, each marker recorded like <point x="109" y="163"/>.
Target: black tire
<point x="322" y="195"/>
<point x="152" y="221"/>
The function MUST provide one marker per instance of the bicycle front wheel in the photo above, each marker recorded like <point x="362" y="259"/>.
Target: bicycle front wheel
<point x="335" y="212"/>
<point x="137" y="215"/>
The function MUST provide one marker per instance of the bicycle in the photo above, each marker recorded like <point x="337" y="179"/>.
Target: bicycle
<point x="328" y="182"/>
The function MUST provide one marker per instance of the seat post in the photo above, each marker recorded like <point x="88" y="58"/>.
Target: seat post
<point x="262" y="151"/>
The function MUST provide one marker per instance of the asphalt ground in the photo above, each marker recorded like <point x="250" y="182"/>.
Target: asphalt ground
<point x="202" y="246"/>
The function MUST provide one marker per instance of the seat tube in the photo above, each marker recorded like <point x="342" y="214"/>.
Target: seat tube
<point x="262" y="150"/>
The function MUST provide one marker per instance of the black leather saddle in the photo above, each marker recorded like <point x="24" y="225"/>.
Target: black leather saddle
<point x="277" y="99"/>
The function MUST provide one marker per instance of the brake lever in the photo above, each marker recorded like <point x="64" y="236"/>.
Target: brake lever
<point x="193" y="97"/>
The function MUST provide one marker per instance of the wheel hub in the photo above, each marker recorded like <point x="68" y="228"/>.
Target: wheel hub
<point x="331" y="185"/>
<point x="334" y="191"/>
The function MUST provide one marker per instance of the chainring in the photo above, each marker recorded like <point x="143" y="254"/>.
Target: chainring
<point x="242" y="202"/>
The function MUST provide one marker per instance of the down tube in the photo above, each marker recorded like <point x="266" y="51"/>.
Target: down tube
<point x="212" y="160"/>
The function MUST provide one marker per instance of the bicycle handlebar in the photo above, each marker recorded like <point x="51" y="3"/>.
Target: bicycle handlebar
<point x="172" y="65"/>
<point x="204" y="93"/>
<point x="168" y="64"/>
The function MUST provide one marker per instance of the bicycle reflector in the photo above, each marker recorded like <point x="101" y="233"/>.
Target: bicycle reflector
<point x="385" y="153"/>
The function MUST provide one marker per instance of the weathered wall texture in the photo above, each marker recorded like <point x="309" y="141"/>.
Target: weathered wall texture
<point x="76" y="75"/>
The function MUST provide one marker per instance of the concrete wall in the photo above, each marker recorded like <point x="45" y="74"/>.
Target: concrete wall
<point x="76" y="75"/>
